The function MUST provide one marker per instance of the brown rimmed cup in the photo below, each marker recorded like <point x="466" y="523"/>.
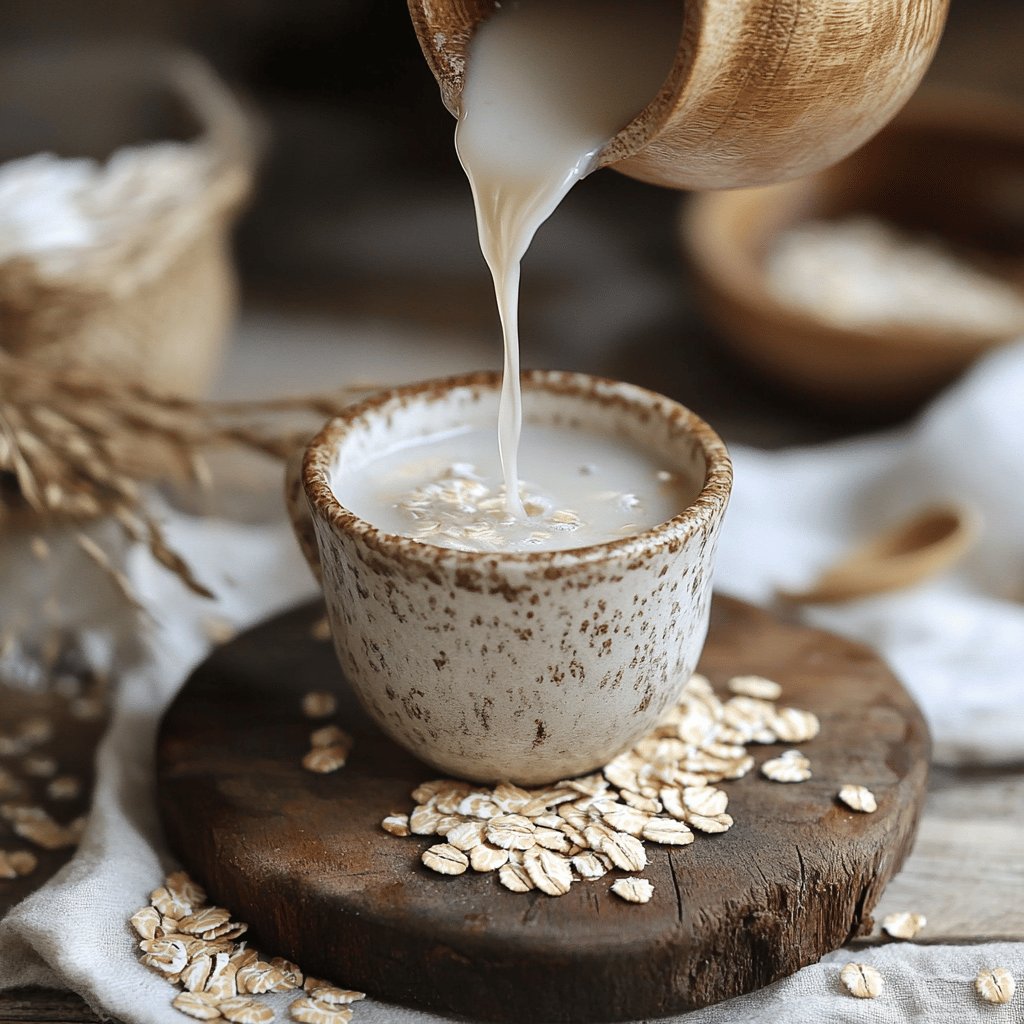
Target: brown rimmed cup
<point x="528" y="666"/>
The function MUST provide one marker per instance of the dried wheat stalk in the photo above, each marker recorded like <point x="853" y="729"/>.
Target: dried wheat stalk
<point x="70" y="441"/>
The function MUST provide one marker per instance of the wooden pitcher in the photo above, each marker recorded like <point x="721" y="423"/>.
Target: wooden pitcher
<point x="760" y="90"/>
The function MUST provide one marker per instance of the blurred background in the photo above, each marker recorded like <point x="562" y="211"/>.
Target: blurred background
<point x="310" y="228"/>
<point x="357" y="252"/>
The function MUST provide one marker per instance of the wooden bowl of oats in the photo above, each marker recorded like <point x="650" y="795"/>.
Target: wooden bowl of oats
<point x="871" y="285"/>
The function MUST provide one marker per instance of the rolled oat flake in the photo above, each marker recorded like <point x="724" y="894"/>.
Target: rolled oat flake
<point x="861" y="980"/>
<point x="995" y="984"/>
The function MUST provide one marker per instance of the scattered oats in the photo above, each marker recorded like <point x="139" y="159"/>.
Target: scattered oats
<point x="791" y="725"/>
<point x="588" y="785"/>
<point x="511" y="832"/>
<point x="223" y="981"/>
<point x="315" y="1011"/>
<point x="648" y="804"/>
<point x="45" y="832"/>
<point x="786" y="768"/>
<point x="624" y="851"/>
<point x="87" y="709"/>
<point x="633" y="890"/>
<point x="334" y="996"/>
<point x="437" y="787"/>
<point x="626" y="819"/>
<point x="219" y="631"/>
<point x="258" y="978"/>
<point x="396" y="824"/>
<point x="192" y="944"/>
<point x="662" y="790"/>
<point x="447" y="822"/>
<point x="549" y="871"/>
<point x="23" y="861"/>
<point x="705" y="800"/>
<point x="16" y="812"/>
<point x="228" y="933"/>
<point x="487" y="858"/>
<point x="166" y="956"/>
<point x="146" y="923"/>
<point x="858" y="798"/>
<point x="573" y="816"/>
<point x="321" y="630"/>
<point x="64" y="787"/>
<point x="242" y="957"/>
<point x="667" y="832"/>
<point x="245" y="1011"/>
<point x="597" y="804"/>
<point x="672" y="801"/>
<point x="76" y="829"/>
<point x="9" y="785"/>
<point x="195" y="976"/>
<point x="204" y="920"/>
<point x="710" y="823"/>
<point x="330" y="736"/>
<point x="319" y="704"/>
<point x="170" y="904"/>
<point x="324" y="760"/>
<point x="445" y="859"/>
<point x="515" y="877"/>
<point x="589" y="865"/>
<point x="552" y="839"/>
<point x="861" y="980"/>
<point x="476" y="805"/>
<point x="755" y="686"/>
<point x="903" y="925"/>
<point x="39" y="767"/>
<point x="16" y="863"/>
<point x="292" y="972"/>
<point x="510" y="799"/>
<point x="423" y="821"/>
<point x="181" y="885"/>
<point x="36" y="730"/>
<point x="12" y="746"/>
<point x="995" y="984"/>
<point x="449" y="801"/>
<point x="196" y="1004"/>
<point x="465" y="835"/>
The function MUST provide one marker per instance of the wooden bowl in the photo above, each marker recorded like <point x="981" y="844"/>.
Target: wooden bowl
<point x="951" y="167"/>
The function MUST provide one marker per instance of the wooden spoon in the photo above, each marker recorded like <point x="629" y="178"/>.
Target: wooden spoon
<point x="900" y="556"/>
<point x="760" y="91"/>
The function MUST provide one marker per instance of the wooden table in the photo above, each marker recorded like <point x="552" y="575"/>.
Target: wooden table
<point x="967" y="857"/>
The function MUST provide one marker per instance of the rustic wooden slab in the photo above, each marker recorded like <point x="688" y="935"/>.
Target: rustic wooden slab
<point x="302" y="858"/>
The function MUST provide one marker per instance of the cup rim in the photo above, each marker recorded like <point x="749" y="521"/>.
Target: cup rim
<point x="709" y="504"/>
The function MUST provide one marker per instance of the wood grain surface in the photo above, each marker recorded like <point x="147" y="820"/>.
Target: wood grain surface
<point x="760" y="90"/>
<point x="302" y="857"/>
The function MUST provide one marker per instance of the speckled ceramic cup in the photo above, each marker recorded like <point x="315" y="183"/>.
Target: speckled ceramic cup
<point x="529" y="666"/>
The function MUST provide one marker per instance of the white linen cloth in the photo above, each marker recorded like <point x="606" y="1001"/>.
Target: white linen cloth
<point x="958" y="643"/>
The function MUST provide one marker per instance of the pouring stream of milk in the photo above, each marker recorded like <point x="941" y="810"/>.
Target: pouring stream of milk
<point x="548" y="84"/>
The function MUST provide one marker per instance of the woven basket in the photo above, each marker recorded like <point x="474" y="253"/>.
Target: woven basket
<point x="155" y="305"/>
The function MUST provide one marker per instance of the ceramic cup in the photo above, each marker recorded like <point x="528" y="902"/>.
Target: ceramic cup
<point x="528" y="666"/>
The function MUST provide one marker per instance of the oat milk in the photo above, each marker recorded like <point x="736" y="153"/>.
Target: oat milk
<point x="549" y="82"/>
<point x="577" y="488"/>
